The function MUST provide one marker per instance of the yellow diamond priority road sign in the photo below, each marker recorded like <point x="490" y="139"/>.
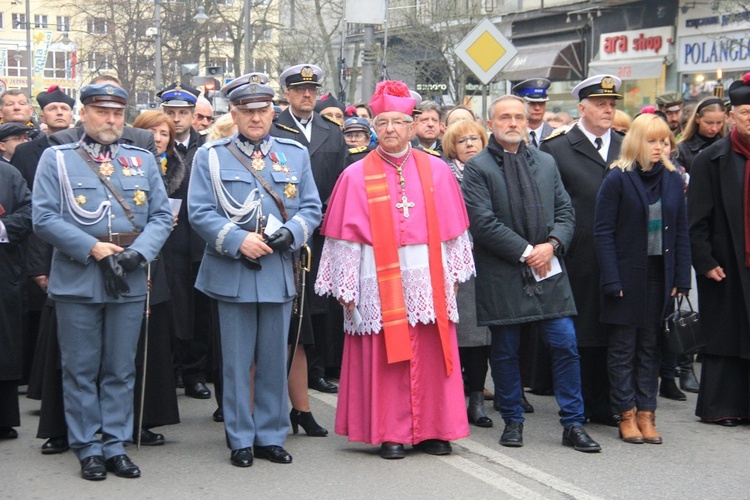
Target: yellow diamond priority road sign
<point x="485" y="51"/>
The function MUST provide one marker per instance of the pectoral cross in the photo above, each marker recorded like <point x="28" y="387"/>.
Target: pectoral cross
<point x="405" y="205"/>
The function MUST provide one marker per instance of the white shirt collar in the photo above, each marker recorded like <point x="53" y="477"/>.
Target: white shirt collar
<point x="606" y="139"/>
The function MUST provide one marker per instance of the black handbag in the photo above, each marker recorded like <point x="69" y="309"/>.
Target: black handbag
<point x="682" y="331"/>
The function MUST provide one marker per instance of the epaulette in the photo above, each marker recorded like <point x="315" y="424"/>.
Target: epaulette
<point x="559" y="131"/>
<point x="216" y="142"/>
<point x="288" y="129"/>
<point x="291" y="142"/>
<point x="432" y="152"/>
<point x="354" y="151"/>
<point x="134" y="147"/>
<point x="71" y="145"/>
<point x="331" y="120"/>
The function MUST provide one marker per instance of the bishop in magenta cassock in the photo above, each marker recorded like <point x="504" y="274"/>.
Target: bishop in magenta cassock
<point x="396" y="248"/>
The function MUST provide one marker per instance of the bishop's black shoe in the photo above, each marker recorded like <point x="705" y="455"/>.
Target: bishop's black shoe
<point x="391" y="451"/>
<point x="434" y="447"/>
<point x="55" y="445"/>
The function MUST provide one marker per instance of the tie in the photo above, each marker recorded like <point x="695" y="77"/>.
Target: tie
<point x="181" y="148"/>
<point x="599" y="143"/>
<point x="533" y="139"/>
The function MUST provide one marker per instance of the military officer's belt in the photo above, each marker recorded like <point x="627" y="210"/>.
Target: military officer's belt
<point x="119" y="239"/>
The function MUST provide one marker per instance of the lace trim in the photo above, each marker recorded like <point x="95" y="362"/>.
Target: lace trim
<point x="339" y="275"/>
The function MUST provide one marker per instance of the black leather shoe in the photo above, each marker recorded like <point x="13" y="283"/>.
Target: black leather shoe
<point x="122" y="466"/>
<point x="322" y="385"/>
<point x="219" y="414"/>
<point x="527" y="408"/>
<point x="392" y="451"/>
<point x="242" y="458"/>
<point x="728" y="422"/>
<point x="512" y="435"/>
<point x="149" y="438"/>
<point x="198" y="390"/>
<point x="578" y="438"/>
<point x="93" y="469"/>
<point x="434" y="447"/>
<point x="609" y="420"/>
<point x="56" y="445"/>
<point x="275" y="454"/>
<point x="8" y="433"/>
<point x="668" y="389"/>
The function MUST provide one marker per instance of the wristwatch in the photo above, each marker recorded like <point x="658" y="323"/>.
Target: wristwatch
<point x="556" y="246"/>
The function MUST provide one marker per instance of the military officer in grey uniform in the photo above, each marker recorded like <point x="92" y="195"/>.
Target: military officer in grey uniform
<point x="534" y="92"/>
<point x="253" y="199"/>
<point x="102" y="204"/>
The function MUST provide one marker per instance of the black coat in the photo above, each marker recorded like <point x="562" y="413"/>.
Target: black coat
<point x="15" y="199"/>
<point x="717" y="238"/>
<point x="26" y="157"/>
<point x="621" y="237"/>
<point x="582" y="170"/>
<point x="498" y="247"/>
<point x="328" y="155"/>
<point x="688" y="150"/>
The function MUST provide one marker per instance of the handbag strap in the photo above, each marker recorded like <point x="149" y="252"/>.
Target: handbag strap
<point x="243" y="159"/>
<point x="124" y="204"/>
<point x="679" y="303"/>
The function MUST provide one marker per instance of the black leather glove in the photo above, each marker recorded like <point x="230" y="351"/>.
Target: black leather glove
<point x="280" y="240"/>
<point x="114" y="277"/>
<point x="130" y="260"/>
<point x="252" y="264"/>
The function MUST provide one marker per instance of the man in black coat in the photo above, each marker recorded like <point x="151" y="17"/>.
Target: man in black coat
<point x="15" y="226"/>
<point x="194" y="347"/>
<point x="522" y="222"/>
<point x="583" y="153"/>
<point x="328" y="153"/>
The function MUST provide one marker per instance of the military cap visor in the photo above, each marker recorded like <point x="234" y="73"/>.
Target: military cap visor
<point x="355" y="124"/>
<point x="598" y="86"/>
<point x="13" y="129"/>
<point x="301" y="74"/>
<point x="104" y="95"/>
<point x="533" y="89"/>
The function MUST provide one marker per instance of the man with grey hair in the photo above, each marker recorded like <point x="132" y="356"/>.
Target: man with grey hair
<point x="203" y="115"/>
<point x="522" y="222"/>
<point x="583" y="154"/>
<point x="16" y="108"/>
<point x="428" y="127"/>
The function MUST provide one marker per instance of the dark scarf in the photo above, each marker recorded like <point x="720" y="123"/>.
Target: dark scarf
<point x="651" y="180"/>
<point x="527" y="211"/>
<point x="741" y="146"/>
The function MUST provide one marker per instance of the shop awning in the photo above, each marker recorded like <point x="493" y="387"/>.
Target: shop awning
<point x="556" y="61"/>
<point x="629" y="69"/>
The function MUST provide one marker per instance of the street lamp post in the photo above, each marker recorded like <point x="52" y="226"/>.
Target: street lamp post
<point x="28" y="47"/>
<point x="201" y="18"/>
<point x="157" y="49"/>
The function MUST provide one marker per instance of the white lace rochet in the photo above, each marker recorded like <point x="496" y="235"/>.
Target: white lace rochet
<point x="347" y="271"/>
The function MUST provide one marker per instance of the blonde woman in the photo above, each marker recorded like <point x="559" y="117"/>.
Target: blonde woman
<point x="643" y="248"/>
<point x="224" y="126"/>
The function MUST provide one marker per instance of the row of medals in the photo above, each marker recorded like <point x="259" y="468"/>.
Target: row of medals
<point x="258" y="164"/>
<point x="107" y="169"/>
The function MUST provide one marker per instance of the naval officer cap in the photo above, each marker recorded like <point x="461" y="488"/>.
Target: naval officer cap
<point x="179" y="95"/>
<point x="254" y="77"/>
<point x="301" y="74"/>
<point x="54" y="94"/>
<point x="251" y="95"/>
<point x="533" y="89"/>
<point x="104" y="95"/>
<point x="739" y="91"/>
<point x="598" y="86"/>
<point x="11" y="129"/>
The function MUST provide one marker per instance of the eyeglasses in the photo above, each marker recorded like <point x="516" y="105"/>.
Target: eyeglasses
<point x="301" y="89"/>
<point x="356" y="135"/>
<point x="397" y="123"/>
<point x="202" y="117"/>
<point x="468" y="138"/>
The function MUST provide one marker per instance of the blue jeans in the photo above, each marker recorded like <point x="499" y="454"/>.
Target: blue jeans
<point x="559" y="334"/>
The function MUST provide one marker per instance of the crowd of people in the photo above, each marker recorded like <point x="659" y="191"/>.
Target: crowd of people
<point x="400" y="247"/>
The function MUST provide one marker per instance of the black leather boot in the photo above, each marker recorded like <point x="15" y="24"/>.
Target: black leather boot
<point x="688" y="381"/>
<point x="477" y="416"/>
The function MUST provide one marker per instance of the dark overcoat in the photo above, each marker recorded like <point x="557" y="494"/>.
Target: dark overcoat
<point x="15" y="200"/>
<point x="717" y="239"/>
<point x="582" y="170"/>
<point x="498" y="246"/>
<point x="621" y="238"/>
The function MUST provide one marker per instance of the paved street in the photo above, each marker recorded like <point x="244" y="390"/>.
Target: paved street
<point x="697" y="461"/>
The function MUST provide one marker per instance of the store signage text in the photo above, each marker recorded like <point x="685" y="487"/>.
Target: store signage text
<point x="704" y="53"/>
<point x="636" y="43"/>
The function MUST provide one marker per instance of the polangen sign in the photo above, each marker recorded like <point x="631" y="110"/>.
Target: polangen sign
<point x="708" y="52"/>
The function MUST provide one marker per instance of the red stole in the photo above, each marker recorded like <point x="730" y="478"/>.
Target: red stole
<point x="741" y="146"/>
<point x="390" y="287"/>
